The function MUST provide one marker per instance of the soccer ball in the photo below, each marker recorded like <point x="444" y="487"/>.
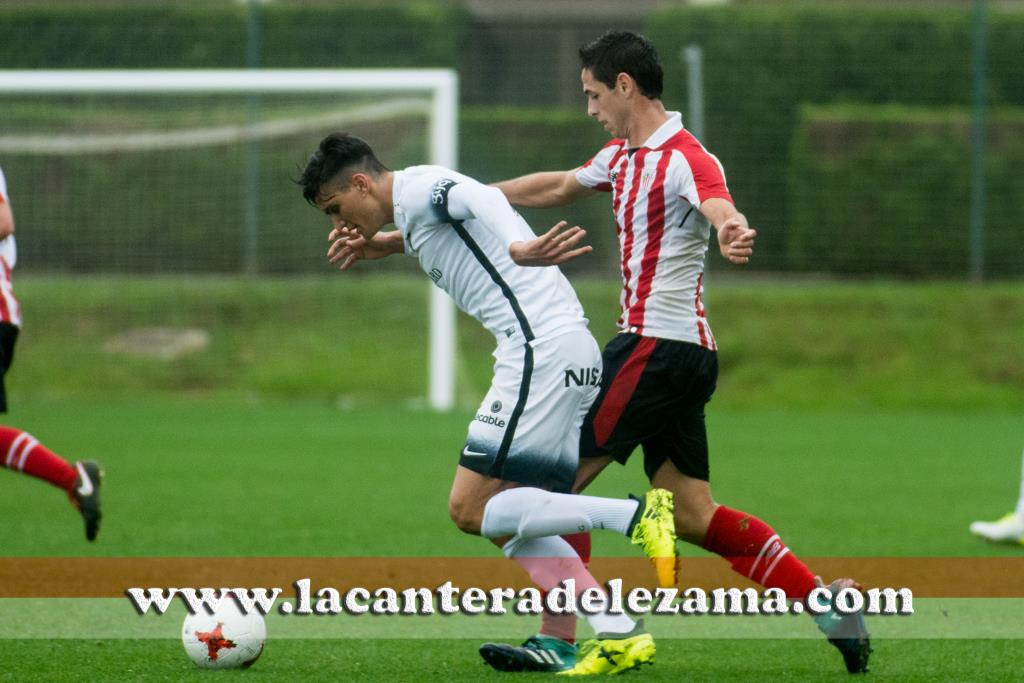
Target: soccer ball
<point x="226" y="639"/>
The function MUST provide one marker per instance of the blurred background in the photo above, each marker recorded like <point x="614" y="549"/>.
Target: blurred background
<point x="878" y="147"/>
<point x="862" y="138"/>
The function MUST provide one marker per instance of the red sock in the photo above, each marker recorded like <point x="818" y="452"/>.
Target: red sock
<point x="564" y="625"/>
<point x="755" y="551"/>
<point x="581" y="544"/>
<point x="21" y="452"/>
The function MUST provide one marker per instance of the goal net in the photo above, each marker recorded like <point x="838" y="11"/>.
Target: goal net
<point x="156" y="172"/>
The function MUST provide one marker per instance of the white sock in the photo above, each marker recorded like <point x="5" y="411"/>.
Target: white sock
<point x="602" y="622"/>
<point x="533" y="512"/>
<point x="1020" y="501"/>
<point x="549" y="561"/>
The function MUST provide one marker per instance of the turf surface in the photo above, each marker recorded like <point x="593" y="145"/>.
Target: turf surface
<point x="858" y="419"/>
<point x="195" y="477"/>
<point x="457" y="660"/>
<point x="300" y="478"/>
<point x="362" y="340"/>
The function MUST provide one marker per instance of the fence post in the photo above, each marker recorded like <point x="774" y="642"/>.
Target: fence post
<point x="251" y="158"/>
<point x="694" y="57"/>
<point x="977" y="227"/>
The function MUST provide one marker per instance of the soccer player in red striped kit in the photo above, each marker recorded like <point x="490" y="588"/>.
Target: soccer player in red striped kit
<point x="20" y="451"/>
<point x="667" y="192"/>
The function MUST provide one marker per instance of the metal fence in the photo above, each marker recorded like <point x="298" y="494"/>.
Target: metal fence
<point x="872" y="139"/>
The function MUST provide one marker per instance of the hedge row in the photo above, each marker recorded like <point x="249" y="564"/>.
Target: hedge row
<point x="408" y="34"/>
<point x="871" y="189"/>
<point x="762" y="63"/>
<point x="887" y="189"/>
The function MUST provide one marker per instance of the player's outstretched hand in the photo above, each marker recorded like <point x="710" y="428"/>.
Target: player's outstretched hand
<point x="348" y="246"/>
<point x="552" y="248"/>
<point x="736" y="239"/>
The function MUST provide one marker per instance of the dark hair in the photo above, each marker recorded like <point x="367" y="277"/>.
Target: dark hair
<point x="337" y="152"/>
<point x="624" y="52"/>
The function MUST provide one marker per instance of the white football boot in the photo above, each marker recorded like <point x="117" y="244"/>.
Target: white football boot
<point x="1007" y="529"/>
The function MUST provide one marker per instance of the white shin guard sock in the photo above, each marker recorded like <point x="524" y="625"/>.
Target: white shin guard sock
<point x="533" y="513"/>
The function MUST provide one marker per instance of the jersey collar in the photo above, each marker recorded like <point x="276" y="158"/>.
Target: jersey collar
<point x="673" y="125"/>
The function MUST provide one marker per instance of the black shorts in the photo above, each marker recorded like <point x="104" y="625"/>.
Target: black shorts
<point x="8" y="335"/>
<point x="653" y="393"/>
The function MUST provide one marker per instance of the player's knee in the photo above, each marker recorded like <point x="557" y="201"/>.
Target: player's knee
<point x="465" y="515"/>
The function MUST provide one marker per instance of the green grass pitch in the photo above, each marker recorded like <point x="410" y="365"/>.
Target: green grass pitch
<point x="456" y="660"/>
<point x="862" y="422"/>
<point x="301" y="478"/>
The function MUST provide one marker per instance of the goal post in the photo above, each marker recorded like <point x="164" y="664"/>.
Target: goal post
<point x="440" y="85"/>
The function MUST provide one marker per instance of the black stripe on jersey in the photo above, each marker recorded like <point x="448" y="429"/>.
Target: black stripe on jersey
<point x="683" y="222"/>
<point x="439" y="201"/>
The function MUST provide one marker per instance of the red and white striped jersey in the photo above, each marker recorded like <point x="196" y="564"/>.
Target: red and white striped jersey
<point x="663" y="237"/>
<point x="10" y="309"/>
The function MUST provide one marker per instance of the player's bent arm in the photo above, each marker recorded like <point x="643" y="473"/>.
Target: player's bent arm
<point x="6" y="219"/>
<point x="488" y="205"/>
<point x="390" y="242"/>
<point x="718" y="210"/>
<point x="735" y="236"/>
<point x="545" y="189"/>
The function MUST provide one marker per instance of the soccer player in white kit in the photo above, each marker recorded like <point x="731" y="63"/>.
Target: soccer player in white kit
<point x="521" y="453"/>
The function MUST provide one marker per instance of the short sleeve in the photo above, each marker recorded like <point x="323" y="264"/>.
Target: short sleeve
<point x="703" y="177"/>
<point x="595" y="174"/>
<point x="473" y="200"/>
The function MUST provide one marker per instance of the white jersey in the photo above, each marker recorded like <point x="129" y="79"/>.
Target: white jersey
<point x="10" y="309"/>
<point x="657" y="190"/>
<point x="460" y="231"/>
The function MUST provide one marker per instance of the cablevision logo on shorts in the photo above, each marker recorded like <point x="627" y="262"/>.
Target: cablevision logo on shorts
<point x="562" y="599"/>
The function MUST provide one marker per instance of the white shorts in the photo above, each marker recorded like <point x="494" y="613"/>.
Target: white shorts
<point x="527" y="428"/>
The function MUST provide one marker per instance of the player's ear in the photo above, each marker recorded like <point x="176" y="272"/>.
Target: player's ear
<point x="361" y="183"/>
<point x="624" y="83"/>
